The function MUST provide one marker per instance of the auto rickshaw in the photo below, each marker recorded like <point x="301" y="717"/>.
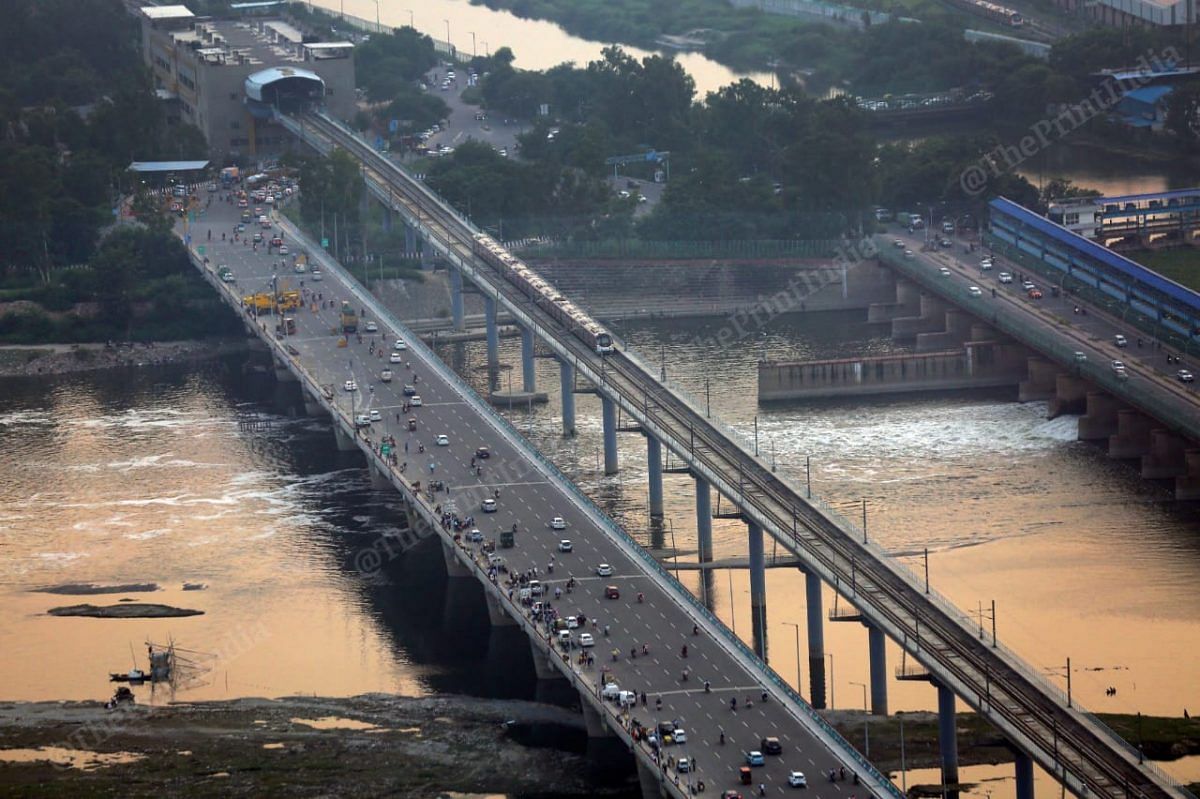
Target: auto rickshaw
<point x="412" y="423"/>
<point x="745" y="775"/>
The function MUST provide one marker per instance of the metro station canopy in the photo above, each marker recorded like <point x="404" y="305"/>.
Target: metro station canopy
<point x="284" y="86"/>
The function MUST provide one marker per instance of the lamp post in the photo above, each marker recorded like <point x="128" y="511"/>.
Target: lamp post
<point x="448" y="34"/>
<point x="473" y="53"/>
<point x="866" y="733"/>
<point x="411" y="24"/>
<point x="378" y="27"/>
<point x="797" y="626"/>
<point x="831" y="702"/>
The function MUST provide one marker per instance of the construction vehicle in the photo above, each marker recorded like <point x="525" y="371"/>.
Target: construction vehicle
<point x="260" y="303"/>
<point x="288" y="300"/>
<point x="287" y="327"/>
<point x="349" y="318"/>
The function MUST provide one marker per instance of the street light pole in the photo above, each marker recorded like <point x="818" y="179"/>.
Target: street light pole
<point x="866" y="729"/>
<point x="797" y="626"/>
<point x="378" y="27"/>
<point x="411" y="24"/>
<point x="831" y="702"/>
<point x="448" y="34"/>
<point x="473" y="53"/>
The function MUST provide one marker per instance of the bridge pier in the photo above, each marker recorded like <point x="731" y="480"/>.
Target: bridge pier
<point x="493" y="333"/>
<point x="704" y="521"/>
<point x="1099" y="423"/>
<point x="453" y="567"/>
<point x="758" y="590"/>
<point x="497" y="614"/>
<point x="1133" y="435"/>
<point x="608" y="413"/>
<point x="877" y="646"/>
<point x="594" y="722"/>
<point x="566" y="379"/>
<point x="284" y="374"/>
<point x="456" y="298"/>
<point x="312" y="407"/>
<point x="1166" y="458"/>
<point x="387" y="218"/>
<point x="379" y="480"/>
<point x="1040" y="383"/>
<point x="947" y="737"/>
<point x="528" y="375"/>
<point x="344" y="442"/>
<point x="816" y="640"/>
<point x="1070" y="396"/>
<point x="654" y="464"/>
<point x="541" y="664"/>
<point x="651" y="780"/>
<point x="1024" y="769"/>
<point x="1187" y="486"/>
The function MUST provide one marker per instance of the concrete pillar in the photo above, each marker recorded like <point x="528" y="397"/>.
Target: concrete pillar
<point x="654" y="464"/>
<point x="878" y="651"/>
<point x="456" y="298"/>
<point x="1133" y="435"/>
<point x="947" y="739"/>
<point x="1100" y="420"/>
<point x="1070" y="396"/>
<point x="816" y="640"/>
<point x="704" y="520"/>
<point x="608" y="413"/>
<point x="493" y="333"/>
<point x="596" y="726"/>
<point x="650" y="780"/>
<point x="544" y="668"/>
<point x="758" y="591"/>
<point x="566" y="379"/>
<point x="528" y="375"/>
<point x="497" y="615"/>
<point x="1187" y="487"/>
<point x="312" y="407"/>
<point x="1166" y="459"/>
<point x="410" y="241"/>
<point x="453" y="567"/>
<point x="344" y="442"/>
<point x="387" y="219"/>
<point x="1040" y="383"/>
<point x="379" y="480"/>
<point x="283" y="374"/>
<point x="1024" y="767"/>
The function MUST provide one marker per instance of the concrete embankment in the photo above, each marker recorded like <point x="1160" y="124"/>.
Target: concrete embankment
<point x="54" y="359"/>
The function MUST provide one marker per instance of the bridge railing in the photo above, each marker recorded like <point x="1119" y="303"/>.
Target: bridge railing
<point x="730" y="639"/>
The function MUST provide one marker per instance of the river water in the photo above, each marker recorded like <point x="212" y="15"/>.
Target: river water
<point x="146" y="476"/>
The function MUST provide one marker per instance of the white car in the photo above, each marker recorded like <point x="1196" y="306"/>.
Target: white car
<point x="679" y="736"/>
<point x="558" y="523"/>
<point x="1004" y="277"/>
<point x="415" y="400"/>
<point x="604" y="570"/>
<point x="565" y="545"/>
<point x="944" y="271"/>
<point x="488" y="505"/>
<point x="299" y="268"/>
<point x="283" y="249"/>
<point x="1120" y="340"/>
<point x="350" y="385"/>
<point x="442" y="441"/>
<point x="316" y="275"/>
<point x="371" y="327"/>
<point x="475" y="536"/>
<point x="975" y="291"/>
<point x="399" y="346"/>
<point x="586" y="640"/>
<point x="1028" y="285"/>
<point x="362" y="420"/>
<point x="376" y="416"/>
<point x="796" y="779"/>
<point x="909" y="254"/>
<point x="395" y="357"/>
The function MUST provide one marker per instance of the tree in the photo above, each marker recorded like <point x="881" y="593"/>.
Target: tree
<point x="1183" y="113"/>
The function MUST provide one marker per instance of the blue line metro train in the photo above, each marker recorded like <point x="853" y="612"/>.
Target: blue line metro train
<point x="544" y="294"/>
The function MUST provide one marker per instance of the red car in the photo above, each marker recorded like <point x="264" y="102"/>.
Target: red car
<point x="611" y="592"/>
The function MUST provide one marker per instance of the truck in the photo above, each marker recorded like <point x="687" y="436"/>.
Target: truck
<point x="506" y="539"/>
<point x="349" y="318"/>
<point x="259" y="303"/>
<point x="288" y="300"/>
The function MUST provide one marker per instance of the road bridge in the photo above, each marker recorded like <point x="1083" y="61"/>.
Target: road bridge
<point x="639" y="644"/>
<point x="1037" y="719"/>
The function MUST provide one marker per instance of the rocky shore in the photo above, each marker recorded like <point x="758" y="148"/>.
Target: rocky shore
<point x="56" y="359"/>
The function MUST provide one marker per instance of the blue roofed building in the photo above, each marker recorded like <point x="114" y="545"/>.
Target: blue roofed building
<point x="1145" y="107"/>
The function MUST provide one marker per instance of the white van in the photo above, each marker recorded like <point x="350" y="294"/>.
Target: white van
<point x="611" y="691"/>
<point x="386" y="375"/>
<point x="565" y="639"/>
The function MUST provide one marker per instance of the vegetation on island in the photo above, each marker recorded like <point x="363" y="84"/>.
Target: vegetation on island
<point x="76" y="107"/>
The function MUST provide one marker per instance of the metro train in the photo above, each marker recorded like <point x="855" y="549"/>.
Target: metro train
<point x="544" y="294"/>
<point x="992" y="11"/>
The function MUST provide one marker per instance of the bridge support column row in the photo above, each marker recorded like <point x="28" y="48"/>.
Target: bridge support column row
<point x="816" y="640"/>
<point x="456" y="298"/>
<point x="654" y="464"/>
<point x="1024" y="767"/>
<point x="608" y="414"/>
<point x="758" y="590"/>
<point x="566" y="379"/>
<point x="704" y="520"/>
<point x="528" y="375"/>
<point x="947" y="737"/>
<point x="493" y="333"/>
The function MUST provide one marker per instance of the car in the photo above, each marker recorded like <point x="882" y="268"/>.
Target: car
<point x="386" y="375"/>
<point x="415" y="401"/>
<point x="283" y="249"/>
<point x="604" y="570"/>
<point x="277" y="242"/>
<point x="624" y="195"/>
<point x="258" y="237"/>
<point x="243" y="204"/>
<point x="350" y="385"/>
<point x="475" y="536"/>
<point x="909" y="254"/>
<point x="772" y="746"/>
<point x="362" y="420"/>
<point x="1028" y="285"/>
<point x="611" y="592"/>
<point x="558" y="523"/>
<point x="1080" y="357"/>
<point x="408" y="389"/>
<point x="946" y="243"/>
<point x="985" y="265"/>
<point x="241" y="228"/>
<point x="683" y="765"/>
<point x="212" y="186"/>
<point x="731" y="795"/>
<point x="755" y="758"/>
<point x="483" y="453"/>
<point x="376" y="416"/>
<point x="488" y="505"/>
<point x="1118" y="366"/>
<point x="987" y="259"/>
<point x="299" y="268"/>
<point x="395" y="357"/>
<point x="796" y="779"/>
<point x="1120" y="340"/>
<point x="944" y="271"/>
<point x="399" y="346"/>
<point x="371" y="327"/>
<point x="975" y="291"/>
<point x="586" y="640"/>
<point x="898" y="244"/>
<point x="442" y="440"/>
<point x="1004" y="277"/>
<point x="317" y="275"/>
<point x="1185" y="376"/>
<point x="1035" y="294"/>
<point x="565" y="545"/>
<point x="679" y="736"/>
